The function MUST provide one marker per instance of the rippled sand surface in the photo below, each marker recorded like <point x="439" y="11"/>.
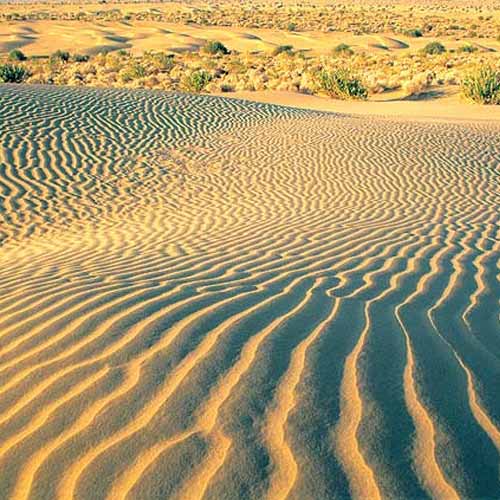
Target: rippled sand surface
<point x="210" y="297"/>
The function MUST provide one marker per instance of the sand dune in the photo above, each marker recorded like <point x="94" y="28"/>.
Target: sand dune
<point x="211" y="298"/>
<point x="38" y="38"/>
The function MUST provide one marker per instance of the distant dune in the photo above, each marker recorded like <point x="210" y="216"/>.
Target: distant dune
<point x="39" y="38"/>
<point x="207" y="297"/>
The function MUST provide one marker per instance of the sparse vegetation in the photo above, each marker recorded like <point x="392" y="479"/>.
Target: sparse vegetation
<point x="11" y="73"/>
<point x="342" y="84"/>
<point x="482" y="85"/>
<point x="341" y="16"/>
<point x="214" y="68"/>
<point x="254" y="72"/>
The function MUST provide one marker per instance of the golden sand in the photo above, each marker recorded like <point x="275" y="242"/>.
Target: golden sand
<point x="204" y="297"/>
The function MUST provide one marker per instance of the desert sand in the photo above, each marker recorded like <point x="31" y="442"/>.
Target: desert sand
<point x="208" y="297"/>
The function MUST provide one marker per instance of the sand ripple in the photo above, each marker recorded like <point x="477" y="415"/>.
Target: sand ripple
<point x="203" y="297"/>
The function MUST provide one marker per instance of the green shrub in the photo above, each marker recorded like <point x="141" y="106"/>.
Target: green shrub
<point x="467" y="48"/>
<point x="197" y="80"/>
<point x="10" y="73"/>
<point x="214" y="47"/>
<point x="162" y="61"/>
<point x="79" y="58"/>
<point x="415" y="33"/>
<point x="343" y="49"/>
<point x="433" y="48"/>
<point x="225" y="87"/>
<point x="60" y="55"/>
<point x="482" y="85"/>
<point x="132" y="72"/>
<point x="288" y="49"/>
<point x="17" y="55"/>
<point x="342" y="84"/>
<point x="291" y="27"/>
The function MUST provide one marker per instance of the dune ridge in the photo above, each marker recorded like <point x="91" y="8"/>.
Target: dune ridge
<point x="206" y="298"/>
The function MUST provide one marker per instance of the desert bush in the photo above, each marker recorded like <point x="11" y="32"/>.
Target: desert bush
<point x="132" y="72"/>
<point x="162" y="61"/>
<point x="482" y="85"/>
<point x="60" y="55"/>
<point x="11" y="73"/>
<point x="418" y="84"/>
<point x="291" y="27"/>
<point x="342" y="84"/>
<point x="79" y="58"/>
<point x="17" y="55"/>
<point x="197" y="80"/>
<point x="415" y="33"/>
<point x="343" y="49"/>
<point x="215" y="47"/>
<point x="433" y="48"/>
<point x="281" y="49"/>
<point x="225" y="87"/>
<point x="467" y="48"/>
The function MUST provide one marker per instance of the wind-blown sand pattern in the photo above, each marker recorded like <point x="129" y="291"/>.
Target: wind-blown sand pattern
<point x="211" y="298"/>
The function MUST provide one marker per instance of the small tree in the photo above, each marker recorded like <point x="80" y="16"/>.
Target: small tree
<point x="482" y="85"/>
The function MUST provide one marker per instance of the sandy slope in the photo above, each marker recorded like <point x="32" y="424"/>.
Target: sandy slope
<point x="451" y="107"/>
<point x="201" y="296"/>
